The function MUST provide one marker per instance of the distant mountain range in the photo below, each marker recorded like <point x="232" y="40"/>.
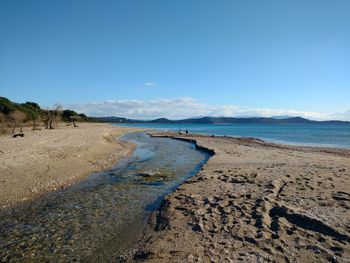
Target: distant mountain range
<point x="223" y="120"/>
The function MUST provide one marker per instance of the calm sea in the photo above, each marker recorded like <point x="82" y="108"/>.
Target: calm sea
<point x="329" y="135"/>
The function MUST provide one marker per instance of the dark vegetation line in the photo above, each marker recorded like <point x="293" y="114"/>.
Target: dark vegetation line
<point x="14" y="116"/>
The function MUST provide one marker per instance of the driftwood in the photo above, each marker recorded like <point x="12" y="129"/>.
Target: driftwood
<point x="18" y="135"/>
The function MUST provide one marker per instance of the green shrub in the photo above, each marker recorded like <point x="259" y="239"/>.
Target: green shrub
<point x="83" y="116"/>
<point x="67" y="114"/>
<point x="33" y="104"/>
<point x="6" y="106"/>
<point x="31" y="111"/>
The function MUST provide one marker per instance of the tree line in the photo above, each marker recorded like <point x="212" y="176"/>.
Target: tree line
<point x="16" y="115"/>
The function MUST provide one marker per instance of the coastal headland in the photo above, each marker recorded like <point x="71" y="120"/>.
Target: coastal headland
<point x="255" y="202"/>
<point x="47" y="160"/>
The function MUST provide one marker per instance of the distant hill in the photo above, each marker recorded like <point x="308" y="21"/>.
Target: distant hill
<point x="223" y="120"/>
<point x="114" y="119"/>
<point x="282" y="117"/>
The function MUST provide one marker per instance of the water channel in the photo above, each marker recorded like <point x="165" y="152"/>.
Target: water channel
<point x="103" y="216"/>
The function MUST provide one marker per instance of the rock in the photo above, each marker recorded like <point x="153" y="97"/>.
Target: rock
<point x="149" y="174"/>
<point x="197" y="227"/>
<point x="144" y="174"/>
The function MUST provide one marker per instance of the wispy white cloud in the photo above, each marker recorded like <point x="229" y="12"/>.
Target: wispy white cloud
<point x="340" y="115"/>
<point x="188" y="107"/>
<point x="150" y="84"/>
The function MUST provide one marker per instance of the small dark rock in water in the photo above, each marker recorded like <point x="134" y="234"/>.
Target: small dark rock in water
<point x="333" y="259"/>
<point x="197" y="228"/>
<point x="275" y="236"/>
<point x="315" y="249"/>
<point x="144" y="174"/>
<point x="142" y="254"/>
<point x="122" y="259"/>
<point x="149" y="174"/>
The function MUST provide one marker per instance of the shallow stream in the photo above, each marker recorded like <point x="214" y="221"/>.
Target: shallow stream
<point x="103" y="216"/>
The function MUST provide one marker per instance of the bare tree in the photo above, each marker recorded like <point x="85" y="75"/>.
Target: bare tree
<point x="3" y="129"/>
<point x="34" y="115"/>
<point x="34" y="120"/>
<point x="74" y="119"/>
<point x="2" y="119"/>
<point x="52" y="115"/>
<point x="48" y="119"/>
<point x="17" y="117"/>
<point x="57" y="113"/>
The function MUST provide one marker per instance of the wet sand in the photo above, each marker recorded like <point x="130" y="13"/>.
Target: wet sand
<point x="48" y="160"/>
<point x="255" y="202"/>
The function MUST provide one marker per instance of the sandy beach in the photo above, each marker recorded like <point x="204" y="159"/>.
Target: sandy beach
<point x="255" y="202"/>
<point x="48" y="160"/>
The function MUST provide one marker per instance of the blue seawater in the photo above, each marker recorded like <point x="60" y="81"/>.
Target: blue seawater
<point x="326" y="135"/>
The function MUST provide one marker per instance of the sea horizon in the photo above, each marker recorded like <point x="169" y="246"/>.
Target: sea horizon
<point x="313" y="134"/>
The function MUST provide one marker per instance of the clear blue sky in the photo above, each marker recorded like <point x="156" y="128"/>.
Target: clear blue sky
<point x="275" y="54"/>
